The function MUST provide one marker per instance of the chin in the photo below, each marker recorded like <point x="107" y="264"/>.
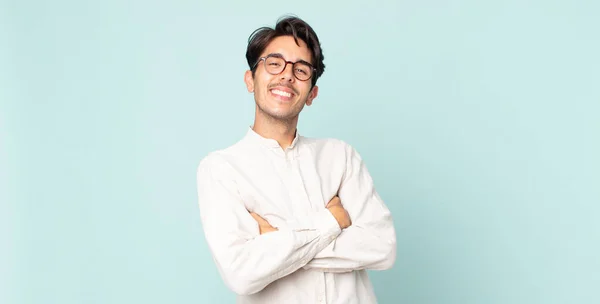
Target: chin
<point x="275" y="110"/>
<point x="280" y="115"/>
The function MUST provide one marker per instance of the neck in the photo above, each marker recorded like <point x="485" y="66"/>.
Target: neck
<point x="283" y="131"/>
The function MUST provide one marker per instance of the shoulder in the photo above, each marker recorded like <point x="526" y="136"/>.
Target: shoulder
<point x="336" y="146"/>
<point x="325" y="142"/>
<point x="328" y="142"/>
<point x="219" y="161"/>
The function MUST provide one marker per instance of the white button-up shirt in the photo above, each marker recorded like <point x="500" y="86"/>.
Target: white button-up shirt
<point x="309" y="259"/>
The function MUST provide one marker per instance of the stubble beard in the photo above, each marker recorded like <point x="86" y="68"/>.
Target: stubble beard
<point x="280" y="118"/>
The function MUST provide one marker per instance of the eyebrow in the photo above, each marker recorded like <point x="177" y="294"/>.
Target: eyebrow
<point x="281" y="56"/>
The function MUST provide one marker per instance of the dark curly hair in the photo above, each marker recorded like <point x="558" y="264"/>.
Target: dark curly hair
<point x="286" y="26"/>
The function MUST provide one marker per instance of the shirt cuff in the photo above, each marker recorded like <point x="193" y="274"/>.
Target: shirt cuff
<point x="327" y="225"/>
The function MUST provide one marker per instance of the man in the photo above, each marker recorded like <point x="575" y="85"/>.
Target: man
<point x="291" y="219"/>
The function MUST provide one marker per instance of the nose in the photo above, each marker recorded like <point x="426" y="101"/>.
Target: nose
<point x="288" y="72"/>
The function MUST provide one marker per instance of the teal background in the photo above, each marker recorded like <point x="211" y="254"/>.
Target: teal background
<point x="479" y="121"/>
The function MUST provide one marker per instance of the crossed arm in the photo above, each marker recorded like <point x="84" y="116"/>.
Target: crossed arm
<point x="357" y="247"/>
<point x="368" y="239"/>
<point x="250" y="253"/>
<point x="334" y="206"/>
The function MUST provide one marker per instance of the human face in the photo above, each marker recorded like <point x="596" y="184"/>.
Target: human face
<point x="283" y="96"/>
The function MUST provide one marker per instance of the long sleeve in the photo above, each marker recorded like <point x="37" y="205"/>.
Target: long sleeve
<point x="246" y="260"/>
<point x="370" y="242"/>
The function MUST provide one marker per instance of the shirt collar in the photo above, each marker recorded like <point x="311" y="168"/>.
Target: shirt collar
<point x="268" y="142"/>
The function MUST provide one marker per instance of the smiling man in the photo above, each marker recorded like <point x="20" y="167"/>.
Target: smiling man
<point x="291" y="219"/>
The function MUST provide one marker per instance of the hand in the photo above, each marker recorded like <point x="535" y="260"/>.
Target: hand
<point x="338" y="211"/>
<point x="263" y="225"/>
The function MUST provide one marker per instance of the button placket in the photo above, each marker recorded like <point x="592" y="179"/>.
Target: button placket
<point x="300" y="183"/>
<point x="292" y="183"/>
<point x="321" y="296"/>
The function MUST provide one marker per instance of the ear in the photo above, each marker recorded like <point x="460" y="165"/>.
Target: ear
<point x="249" y="80"/>
<point x="312" y="95"/>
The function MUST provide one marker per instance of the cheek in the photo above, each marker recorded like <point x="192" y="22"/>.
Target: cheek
<point x="262" y="84"/>
<point x="306" y="92"/>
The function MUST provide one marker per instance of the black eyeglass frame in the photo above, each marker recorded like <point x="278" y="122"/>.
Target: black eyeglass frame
<point x="313" y="69"/>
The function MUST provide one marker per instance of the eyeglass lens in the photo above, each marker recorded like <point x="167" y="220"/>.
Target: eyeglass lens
<point x="276" y="65"/>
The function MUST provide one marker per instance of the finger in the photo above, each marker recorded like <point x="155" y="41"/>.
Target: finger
<point x="334" y="201"/>
<point x="257" y="217"/>
<point x="261" y="221"/>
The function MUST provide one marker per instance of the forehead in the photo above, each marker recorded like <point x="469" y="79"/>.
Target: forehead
<point x="286" y="46"/>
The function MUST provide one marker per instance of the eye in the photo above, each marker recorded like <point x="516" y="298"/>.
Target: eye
<point x="302" y="71"/>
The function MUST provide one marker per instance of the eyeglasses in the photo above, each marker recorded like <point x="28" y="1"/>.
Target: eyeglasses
<point x="274" y="64"/>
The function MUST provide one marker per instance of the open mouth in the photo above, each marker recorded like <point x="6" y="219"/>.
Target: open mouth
<point x="281" y="93"/>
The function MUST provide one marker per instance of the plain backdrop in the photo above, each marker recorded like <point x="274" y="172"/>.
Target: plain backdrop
<point x="478" y="120"/>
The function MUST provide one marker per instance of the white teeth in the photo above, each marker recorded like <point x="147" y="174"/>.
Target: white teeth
<point x="281" y="93"/>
